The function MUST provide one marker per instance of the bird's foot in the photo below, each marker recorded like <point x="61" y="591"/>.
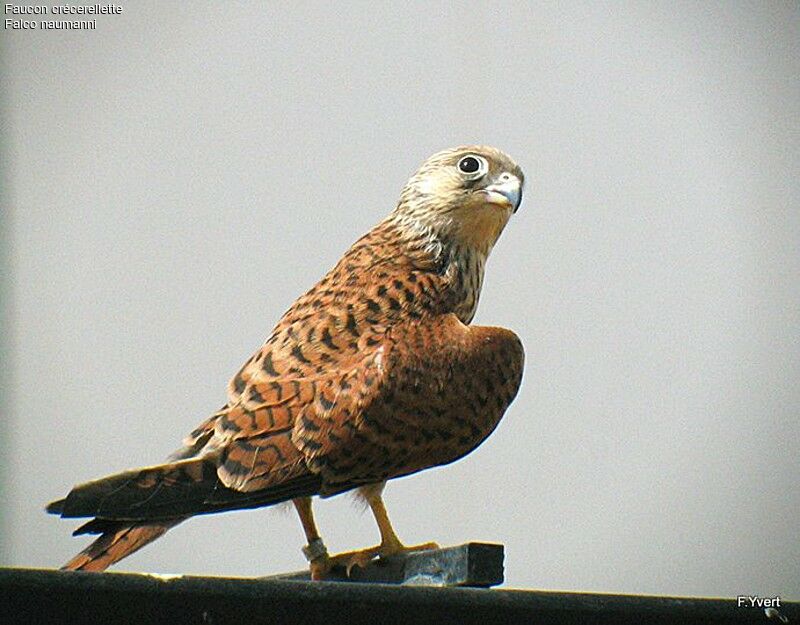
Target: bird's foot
<point x="321" y="567"/>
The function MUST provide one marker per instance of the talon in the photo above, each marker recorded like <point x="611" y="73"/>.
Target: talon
<point x="360" y="559"/>
<point x="321" y="567"/>
<point x="318" y="570"/>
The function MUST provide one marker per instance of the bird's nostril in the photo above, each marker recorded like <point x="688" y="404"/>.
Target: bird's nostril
<point x="505" y="177"/>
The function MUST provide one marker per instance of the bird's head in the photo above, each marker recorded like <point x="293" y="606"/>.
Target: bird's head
<point x="465" y="195"/>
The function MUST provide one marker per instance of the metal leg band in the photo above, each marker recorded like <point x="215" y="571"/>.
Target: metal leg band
<point x="315" y="550"/>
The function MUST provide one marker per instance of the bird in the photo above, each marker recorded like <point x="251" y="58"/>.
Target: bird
<point x="373" y="374"/>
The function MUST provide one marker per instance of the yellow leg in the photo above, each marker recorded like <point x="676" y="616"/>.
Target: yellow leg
<point x="303" y="507"/>
<point x="315" y="550"/>
<point x="390" y="543"/>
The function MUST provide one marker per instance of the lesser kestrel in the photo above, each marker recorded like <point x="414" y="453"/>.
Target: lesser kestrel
<point x="373" y="374"/>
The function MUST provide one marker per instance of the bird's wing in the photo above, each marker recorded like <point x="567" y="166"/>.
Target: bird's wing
<point x="426" y="394"/>
<point x="432" y="392"/>
<point x="256" y="446"/>
<point x="242" y="457"/>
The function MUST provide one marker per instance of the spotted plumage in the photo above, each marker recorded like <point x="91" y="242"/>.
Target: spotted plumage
<point x="373" y="374"/>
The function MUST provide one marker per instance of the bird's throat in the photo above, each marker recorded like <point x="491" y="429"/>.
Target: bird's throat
<point x="479" y="229"/>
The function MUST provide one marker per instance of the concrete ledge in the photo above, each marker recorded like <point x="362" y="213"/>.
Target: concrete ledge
<point x="35" y="596"/>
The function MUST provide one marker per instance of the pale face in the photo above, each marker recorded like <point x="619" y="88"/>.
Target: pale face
<point x="467" y="193"/>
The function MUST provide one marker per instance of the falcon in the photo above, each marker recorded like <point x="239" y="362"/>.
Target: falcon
<point x="373" y="374"/>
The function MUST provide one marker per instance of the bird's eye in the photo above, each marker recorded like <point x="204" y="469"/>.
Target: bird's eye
<point x="472" y="166"/>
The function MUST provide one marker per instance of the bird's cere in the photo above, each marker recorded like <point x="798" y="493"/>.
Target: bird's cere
<point x="508" y="191"/>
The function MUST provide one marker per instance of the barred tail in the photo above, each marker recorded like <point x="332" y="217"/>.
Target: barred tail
<point x="116" y="541"/>
<point x="135" y="507"/>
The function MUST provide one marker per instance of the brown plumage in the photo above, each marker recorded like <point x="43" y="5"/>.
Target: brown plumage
<point x="372" y="374"/>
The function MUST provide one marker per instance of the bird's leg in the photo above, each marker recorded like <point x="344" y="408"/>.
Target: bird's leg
<point x="315" y="550"/>
<point x="390" y="543"/>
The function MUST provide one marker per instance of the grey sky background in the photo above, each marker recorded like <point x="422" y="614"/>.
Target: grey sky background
<point x="178" y="176"/>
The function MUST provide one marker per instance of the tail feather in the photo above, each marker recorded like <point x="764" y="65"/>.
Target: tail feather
<point x="116" y="543"/>
<point x="173" y="490"/>
<point x="56" y="507"/>
<point x="134" y="508"/>
<point x="159" y="492"/>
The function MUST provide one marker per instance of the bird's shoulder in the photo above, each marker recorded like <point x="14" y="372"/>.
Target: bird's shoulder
<point x="375" y="286"/>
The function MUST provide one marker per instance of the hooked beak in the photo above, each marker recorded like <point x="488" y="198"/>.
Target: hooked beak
<point x="506" y="191"/>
